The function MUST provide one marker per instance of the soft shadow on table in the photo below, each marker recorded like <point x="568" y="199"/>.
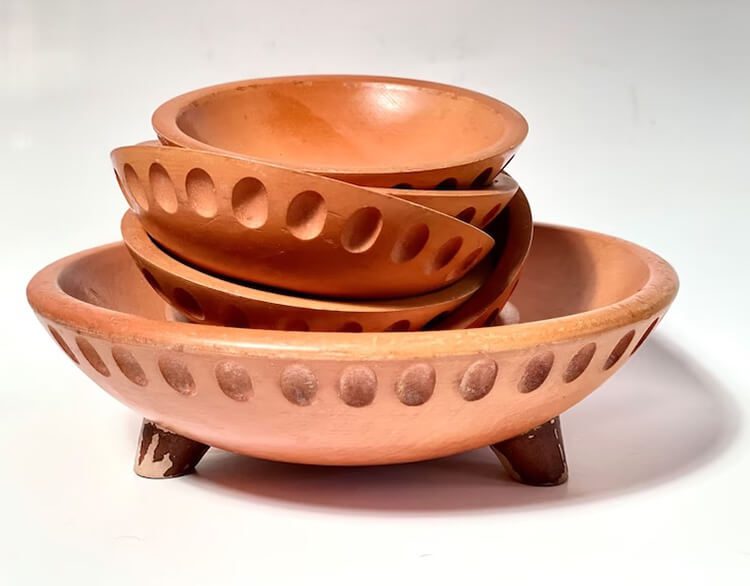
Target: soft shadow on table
<point x="657" y="419"/>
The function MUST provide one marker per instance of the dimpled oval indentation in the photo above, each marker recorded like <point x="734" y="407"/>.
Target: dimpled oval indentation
<point x="357" y="386"/>
<point x="298" y="384"/>
<point x="411" y="243"/>
<point x="188" y="305"/>
<point x="478" y="379"/>
<point x="177" y="375"/>
<point x="537" y="371"/>
<point x="250" y="202"/>
<point x="471" y="259"/>
<point x="151" y="280"/>
<point x="619" y="350"/>
<point x="351" y="326"/>
<point x="129" y="366"/>
<point x="447" y="184"/>
<point x="134" y="185"/>
<point x="234" y="381"/>
<point x="646" y="334"/>
<point x="482" y="179"/>
<point x="63" y="345"/>
<point x="362" y="230"/>
<point x="489" y="216"/>
<point x="467" y="215"/>
<point x="401" y="325"/>
<point x="416" y="384"/>
<point x="579" y="362"/>
<point x="162" y="188"/>
<point x="306" y="215"/>
<point x="92" y="356"/>
<point x="201" y="192"/>
<point x="129" y="198"/>
<point x="447" y="252"/>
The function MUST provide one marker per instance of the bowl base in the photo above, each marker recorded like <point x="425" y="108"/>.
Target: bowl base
<point x="164" y="454"/>
<point x="536" y="458"/>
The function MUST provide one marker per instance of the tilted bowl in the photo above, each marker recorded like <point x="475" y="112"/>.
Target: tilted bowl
<point x="291" y="230"/>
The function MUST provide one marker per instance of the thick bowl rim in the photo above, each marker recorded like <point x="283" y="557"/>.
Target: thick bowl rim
<point x="52" y="303"/>
<point x="165" y="117"/>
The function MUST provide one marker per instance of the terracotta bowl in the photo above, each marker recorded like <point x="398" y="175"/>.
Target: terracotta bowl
<point x="587" y="302"/>
<point x="376" y="131"/>
<point x="291" y="230"/>
<point x="204" y="298"/>
<point x="477" y="207"/>
<point x="513" y="232"/>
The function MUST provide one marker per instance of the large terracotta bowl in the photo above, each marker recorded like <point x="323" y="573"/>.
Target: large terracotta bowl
<point x="377" y="131"/>
<point x="586" y="301"/>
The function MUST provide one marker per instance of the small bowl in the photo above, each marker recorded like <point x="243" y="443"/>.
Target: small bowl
<point x="282" y="228"/>
<point x="477" y="207"/>
<point x="376" y="131"/>
<point x="366" y="398"/>
<point x="204" y="298"/>
<point x="513" y="231"/>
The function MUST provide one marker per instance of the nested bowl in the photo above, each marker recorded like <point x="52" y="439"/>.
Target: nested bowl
<point x="477" y="207"/>
<point x="587" y="301"/>
<point x="203" y="298"/>
<point x="291" y="230"/>
<point x="513" y="231"/>
<point x="377" y="131"/>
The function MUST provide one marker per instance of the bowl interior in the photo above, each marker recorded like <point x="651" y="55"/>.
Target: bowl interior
<point x="566" y="273"/>
<point x="352" y="125"/>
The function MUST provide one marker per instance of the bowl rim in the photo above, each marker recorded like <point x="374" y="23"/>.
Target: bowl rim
<point x="165" y="118"/>
<point x="50" y="302"/>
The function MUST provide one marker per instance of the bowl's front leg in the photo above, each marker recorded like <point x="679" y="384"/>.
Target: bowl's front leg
<point x="164" y="454"/>
<point x="536" y="457"/>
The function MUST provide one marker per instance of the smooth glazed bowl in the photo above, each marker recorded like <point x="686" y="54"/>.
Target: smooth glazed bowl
<point x="290" y="230"/>
<point x="204" y="298"/>
<point x="587" y="301"/>
<point x="376" y="131"/>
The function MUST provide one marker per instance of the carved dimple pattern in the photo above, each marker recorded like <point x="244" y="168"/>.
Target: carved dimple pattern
<point x="356" y="386"/>
<point x="211" y="193"/>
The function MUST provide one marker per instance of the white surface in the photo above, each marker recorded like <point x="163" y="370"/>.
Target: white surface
<point x="640" y="118"/>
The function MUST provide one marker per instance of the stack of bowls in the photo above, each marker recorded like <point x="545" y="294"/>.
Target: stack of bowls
<point x="358" y="208"/>
<point x="329" y="203"/>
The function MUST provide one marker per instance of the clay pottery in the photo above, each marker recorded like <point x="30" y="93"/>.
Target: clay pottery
<point x="513" y="231"/>
<point x="207" y="299"/>
<point x="477" y="207"/>
<point x="291" y="230"/>
<point x="376" y="131"/>
<point x="358" y="398"/>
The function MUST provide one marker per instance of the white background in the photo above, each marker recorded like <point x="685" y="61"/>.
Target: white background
<point x="640" y="123"/>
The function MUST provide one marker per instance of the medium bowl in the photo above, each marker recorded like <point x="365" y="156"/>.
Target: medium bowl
<point x="377" y="131"/>
<point x="203" y="298"/>
<point x="587" y="302"/>
<point x="290" y="230"/>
